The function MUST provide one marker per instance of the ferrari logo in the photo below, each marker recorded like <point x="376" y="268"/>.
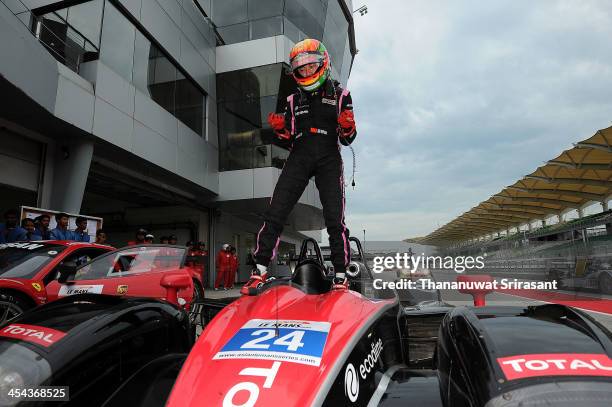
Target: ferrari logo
<point x="37" y="287"/>
<point x="122" y="289"/>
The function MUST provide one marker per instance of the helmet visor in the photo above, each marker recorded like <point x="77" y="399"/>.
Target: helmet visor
<point x="304" y="59"/>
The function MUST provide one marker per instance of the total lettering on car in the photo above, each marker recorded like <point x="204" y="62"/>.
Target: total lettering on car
<point x="38" y="335"/>
<point x="555" y="364"/>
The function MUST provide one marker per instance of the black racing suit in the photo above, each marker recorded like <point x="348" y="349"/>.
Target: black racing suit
<point x="312" y="121"/>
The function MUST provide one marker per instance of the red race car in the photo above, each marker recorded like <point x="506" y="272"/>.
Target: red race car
<point x="27" y="268"/>
<point x="135" y="271"/>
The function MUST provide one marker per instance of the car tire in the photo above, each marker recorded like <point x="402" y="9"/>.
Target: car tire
<point x="195" y="311"/>
<point x="605" y="284"/>
<point x="198" y="291"/>
<point x="12" y="305"/>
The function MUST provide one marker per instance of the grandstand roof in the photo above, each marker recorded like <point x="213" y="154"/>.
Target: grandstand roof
<point x="575" y="178"/>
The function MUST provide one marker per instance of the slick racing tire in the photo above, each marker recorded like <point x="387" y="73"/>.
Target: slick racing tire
<point x="196" y="310"/>
<point x="12" y="305"/>
<point x="605" y="284"/>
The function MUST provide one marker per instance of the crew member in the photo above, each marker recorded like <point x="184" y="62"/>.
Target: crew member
<point x="315" y="120"/>
<point x="233" y="269"/>
<point x="140" y="237"/>
<point x="223" y="265"/>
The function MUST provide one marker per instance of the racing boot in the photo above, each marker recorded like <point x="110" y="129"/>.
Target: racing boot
<point x="257" y="279"/>
<point x="340" y="282"/>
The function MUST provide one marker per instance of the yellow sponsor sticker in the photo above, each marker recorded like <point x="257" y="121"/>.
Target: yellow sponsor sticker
<point x="37" y="287"/>
<point x="122" y="289"/>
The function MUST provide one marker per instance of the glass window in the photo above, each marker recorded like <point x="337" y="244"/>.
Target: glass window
<point x="142" y="49"/>
<point x="161" y="79"/>
<point x="86" y="18"/>
<point x="156" y="76"/>
<point x="291" y="31"/>
<point x="189" y="104"/>
<point x="307" y="15"/>
<point x="336" y="34"/>
<point x="265" y="8"/>
<point x="117" y="44"/>
<point x="132" y="260"/>
<point x="245" y="98"/>
<point x="267" y="27"/>
<point x="234" y="33"/>
<point x="228" y="12"/>
<point x="24" y="261"/>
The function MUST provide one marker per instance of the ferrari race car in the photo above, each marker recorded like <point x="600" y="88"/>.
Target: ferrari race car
<point x="26" y="268"/>
<point x="89" y="344"/>
<point x="302" y="341"/>
<point x="135" y="271"/>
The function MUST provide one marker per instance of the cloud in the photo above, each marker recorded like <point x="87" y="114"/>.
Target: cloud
<point x="456" y="100"/>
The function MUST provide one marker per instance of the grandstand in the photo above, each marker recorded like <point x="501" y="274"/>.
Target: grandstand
<point x="521" y="229"/>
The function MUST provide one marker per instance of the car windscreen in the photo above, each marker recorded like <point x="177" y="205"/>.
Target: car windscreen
<point x="24" y="260"/>
<point x="132" y="260"/>
<point x="20" y="368"/>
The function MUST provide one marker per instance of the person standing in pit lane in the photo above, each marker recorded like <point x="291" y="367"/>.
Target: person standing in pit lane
<point x="231" y="275"/>
<point x="315" y="120"/>
<point x="223" y="266"/>
<point x="140" y="237"/>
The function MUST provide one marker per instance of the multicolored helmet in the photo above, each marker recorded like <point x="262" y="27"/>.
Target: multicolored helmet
<point x="310" y="51"/>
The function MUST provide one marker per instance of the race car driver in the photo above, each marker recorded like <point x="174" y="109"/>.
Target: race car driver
<point x="315" y="119"/>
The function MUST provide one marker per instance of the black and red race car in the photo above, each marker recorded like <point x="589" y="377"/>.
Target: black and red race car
<point x="300" y="341"/>
<point x="26" y="268"/>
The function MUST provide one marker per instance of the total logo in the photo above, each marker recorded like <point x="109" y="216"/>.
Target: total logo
<point x="36" y="334"/>
<point x="521" y="366"/>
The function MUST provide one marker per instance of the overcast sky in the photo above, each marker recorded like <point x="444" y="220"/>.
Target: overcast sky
<point x="456" y="99"/>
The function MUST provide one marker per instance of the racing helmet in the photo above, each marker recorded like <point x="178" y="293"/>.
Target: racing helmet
<point x="310" y="51"/>
<point x="225" y="246"/>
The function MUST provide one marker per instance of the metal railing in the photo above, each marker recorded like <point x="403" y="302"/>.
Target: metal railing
<point x="65" y="43"/>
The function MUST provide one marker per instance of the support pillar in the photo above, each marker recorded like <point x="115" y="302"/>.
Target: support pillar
<point x="71" y="168"/>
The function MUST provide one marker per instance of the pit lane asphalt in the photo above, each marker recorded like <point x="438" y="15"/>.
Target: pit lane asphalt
<point x="456" y="298"/>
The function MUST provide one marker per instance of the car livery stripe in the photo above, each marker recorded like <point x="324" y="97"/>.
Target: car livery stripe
<point x="38" y="335"/>
<point x="327" y="384"/>
<point x="384" y="383"/>
<point x="556" y="364"/>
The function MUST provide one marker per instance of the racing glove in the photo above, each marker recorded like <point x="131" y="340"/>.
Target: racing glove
<point x="346" y="120"/>
<point x="277" y="122"/>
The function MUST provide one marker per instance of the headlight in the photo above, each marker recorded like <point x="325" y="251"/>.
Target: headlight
<point x="10" y="380"/>
<point x="20" y="368"/>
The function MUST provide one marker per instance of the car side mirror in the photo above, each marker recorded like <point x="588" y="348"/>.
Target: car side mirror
<point x="480" y="287"/>
<point x="66" y="272"/>
<point x="173" y="283"/>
